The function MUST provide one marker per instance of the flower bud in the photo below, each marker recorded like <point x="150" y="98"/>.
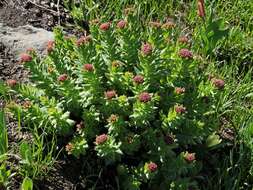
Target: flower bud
<point x="185" y="53"/>
<point x="218" y="83"/>
<point x="201" y="8"/>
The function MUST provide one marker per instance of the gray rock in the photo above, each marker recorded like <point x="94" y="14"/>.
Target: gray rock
<point x="19" y="39"/>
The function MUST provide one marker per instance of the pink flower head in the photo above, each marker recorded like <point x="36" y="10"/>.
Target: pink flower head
<point x="25" y="58"/>
<point x="50" y="46"/>
<point x="201" y="8"/>
<point x="63" y="77"/>
<point x="105" y="26"/>
<point x="189" y="157"/>
<point x="11" y="82"/>
<point x="138" y="79"/>
<point x="110" y="94"/>
<point x="152" y="167"/>
<point x="146" y="49"/>
<point x="183" y="40"/>
<point x="83" y="40"/>
<point x="122" y="24"/>
<point x="144" y="97"/>
<point x="101" y="139"/>
<point x="180" y="109"/>
<point x="179" y="90"/>
<point x="185" y="53"/>
<point x="218" y="83"/>
<point x="88" y="67"/>
<point x="155" y="24"/>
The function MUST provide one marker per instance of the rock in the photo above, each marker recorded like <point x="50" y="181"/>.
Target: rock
<point x="19" y="39"/>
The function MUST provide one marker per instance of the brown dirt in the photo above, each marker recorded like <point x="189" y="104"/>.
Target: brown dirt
<point x="46" y="15"/>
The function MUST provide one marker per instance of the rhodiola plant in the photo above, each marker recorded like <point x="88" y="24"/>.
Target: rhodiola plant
<point x="138" y="97"/>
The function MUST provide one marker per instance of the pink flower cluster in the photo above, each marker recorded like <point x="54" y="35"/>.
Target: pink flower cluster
<point x="179" y="90"/>
<point x="105" y="26"/>
<point x="218" y="83"/>
<point x="25" y="58"/>
<point x="146" y="49"/>
<point x="83" y="40"/>
<point x="185" y="53"/>
<point x="88" y="67"/>
<point x="11" y="82"/>
<point x="122" y="24"/>
<point x="110" y="94"/>
<point x="152" y="167"/>
<point x="138" y="79"/>
<point x="180" y="109"/>
<point x="190" y="157"/>
<point x="144" y="97"/>
<point x="101" y="139"/>
<point x="63" y="77"/>
<point x="50" y="46"/>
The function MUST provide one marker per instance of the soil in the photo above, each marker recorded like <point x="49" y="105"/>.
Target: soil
<point x="39" y="13"/>
<point x="44" y="14"/>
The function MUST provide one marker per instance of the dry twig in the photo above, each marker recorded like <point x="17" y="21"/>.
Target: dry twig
<point x="45" y="8"/>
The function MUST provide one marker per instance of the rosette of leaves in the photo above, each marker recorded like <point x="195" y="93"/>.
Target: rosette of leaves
<point x="139" y="99"/>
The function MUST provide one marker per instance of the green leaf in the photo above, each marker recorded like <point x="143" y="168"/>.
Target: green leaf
<point x="3" y="134"/>
<point x="213" y="140"/>
<point x="27" y="184"/>
<point x="25" y="152"/>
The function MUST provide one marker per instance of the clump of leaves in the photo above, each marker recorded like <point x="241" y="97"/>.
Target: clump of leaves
<point x="129" y="96"/>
